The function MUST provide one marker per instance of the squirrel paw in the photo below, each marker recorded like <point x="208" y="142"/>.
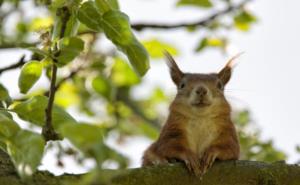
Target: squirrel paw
<point x="192" y="162"/>
<point x="207" y="161"/>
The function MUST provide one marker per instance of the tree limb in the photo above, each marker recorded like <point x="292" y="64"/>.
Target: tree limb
<point x="20" y="63"/>
<point x="204" y="22"/>
<point x="222" y="173"/>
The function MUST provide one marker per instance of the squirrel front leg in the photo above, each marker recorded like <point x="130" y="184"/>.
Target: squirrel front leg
<point x="181" y="153"/>
<point x="227" y="149"/>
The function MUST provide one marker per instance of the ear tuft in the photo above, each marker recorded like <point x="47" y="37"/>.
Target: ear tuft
<point x="232" y="59"/>
<point x="225" y="74"/>
<point x="176" y="73"/>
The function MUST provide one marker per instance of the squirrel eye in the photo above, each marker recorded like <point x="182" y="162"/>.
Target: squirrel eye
<point x="220" y="85"/>
<point x="181" y="86"/>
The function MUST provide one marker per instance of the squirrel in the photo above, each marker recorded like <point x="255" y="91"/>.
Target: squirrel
<point x="198" y="129"/>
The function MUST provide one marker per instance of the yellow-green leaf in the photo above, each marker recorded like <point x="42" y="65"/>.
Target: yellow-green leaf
<point x="156" y="47"/>
<point x="103" y="86"/>
<point x="243" y="20"/>
<point x="30" y="73"/>
<point x="197" y="3"/>
<point x="117" y="28"/>
<point x="83" y="136"/>
<point x="90" y="16"/>
<point x="8" y="127"/>
<point x="33" y="110"/>
<point x="122" y="74"/>
<point x="3" y="93"/>
<point x="26" y="150"/>
<point x="70" y="48"/>
<point x="138" y="57"/>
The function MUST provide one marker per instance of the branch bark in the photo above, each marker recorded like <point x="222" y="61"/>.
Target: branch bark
<point x="222" y="173"/>
<point x="20" y="63"/>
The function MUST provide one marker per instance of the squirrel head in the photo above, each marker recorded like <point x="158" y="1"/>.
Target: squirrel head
<point x="198" y="93"/>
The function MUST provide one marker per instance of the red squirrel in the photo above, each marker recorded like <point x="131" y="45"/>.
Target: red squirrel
<point x="198" y="129"/>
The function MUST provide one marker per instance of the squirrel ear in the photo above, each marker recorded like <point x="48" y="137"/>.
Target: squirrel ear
<point x="176" y="73"/>
<point x="225" y="74"/>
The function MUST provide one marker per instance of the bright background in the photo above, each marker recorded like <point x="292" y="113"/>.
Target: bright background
<point x="266" y="79"/>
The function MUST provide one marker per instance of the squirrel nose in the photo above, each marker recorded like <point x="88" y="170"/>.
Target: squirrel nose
<point x="201" y="91"/>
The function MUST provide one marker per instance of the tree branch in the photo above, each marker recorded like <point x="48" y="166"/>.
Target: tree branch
<point x="64" y="79"/>
<point x="48" y="130"/>
<point x="222" y="173"/>
<point x="20" y="63"/>
<point x="204" y="22"/>
<point x="14" y="44"/>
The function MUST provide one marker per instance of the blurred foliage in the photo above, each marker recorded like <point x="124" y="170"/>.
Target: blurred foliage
<point x="98" y="85"/>
<point x="252" y="147"/>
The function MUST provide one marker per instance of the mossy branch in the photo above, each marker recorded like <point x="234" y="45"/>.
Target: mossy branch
<point x="222" y="173"/>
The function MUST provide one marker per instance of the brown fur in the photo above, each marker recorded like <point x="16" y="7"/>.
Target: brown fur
<point x="199" y="129"/>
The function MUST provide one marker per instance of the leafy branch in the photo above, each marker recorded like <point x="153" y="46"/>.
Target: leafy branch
<point x="20" y="63"/>
<point x="204" y="22"/>
<point x="48" y="130"/>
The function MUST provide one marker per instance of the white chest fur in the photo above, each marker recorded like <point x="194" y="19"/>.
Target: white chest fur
<point x="200" y="134"/>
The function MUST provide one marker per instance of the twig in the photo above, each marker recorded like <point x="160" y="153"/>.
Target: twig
<point x="11" y="45"/>
<point x="137" y="110"/>
<point x="203" y="22"/>
<point x="48" y="130"/>
<point x="20" y="63"/>
<point x="63" y="80"/>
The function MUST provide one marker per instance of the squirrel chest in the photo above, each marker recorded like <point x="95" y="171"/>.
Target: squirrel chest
<point x="200" y="134"/>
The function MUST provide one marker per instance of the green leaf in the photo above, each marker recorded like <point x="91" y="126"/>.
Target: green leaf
<point x="138" y="57"/>
<point x="123" y="75"/>
<point x="117" y="28"/>
<point x="103" y="86"/>
<point x="69" y="49"/>
<point x="30" y="73"/>
<point x="83" y="136"/>
<point x="199" y="3"/>
<point x="33" y="110"/>
<point x="38" y="51"/>
<point x="67" y="95"/>
<point x="113" y="4"/>
<point x="243" y="20"/>
<point x="3" y="93"/>
<point x="148" y="130"/>
<point x="90" y="16"/>
<point x="155" y="48"/>
<point x="8" y="127"/>
<point x="103" y="6"/>
<point x="72" y="25"/>
<point x="158" y="96"/>
<point x="107" y="5"/>
<point x="26" y="150"/>
<point x="211" y="42"/>
<point x="39" y="24"/>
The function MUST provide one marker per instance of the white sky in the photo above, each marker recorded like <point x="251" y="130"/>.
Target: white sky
<point x="266" y="80"/>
